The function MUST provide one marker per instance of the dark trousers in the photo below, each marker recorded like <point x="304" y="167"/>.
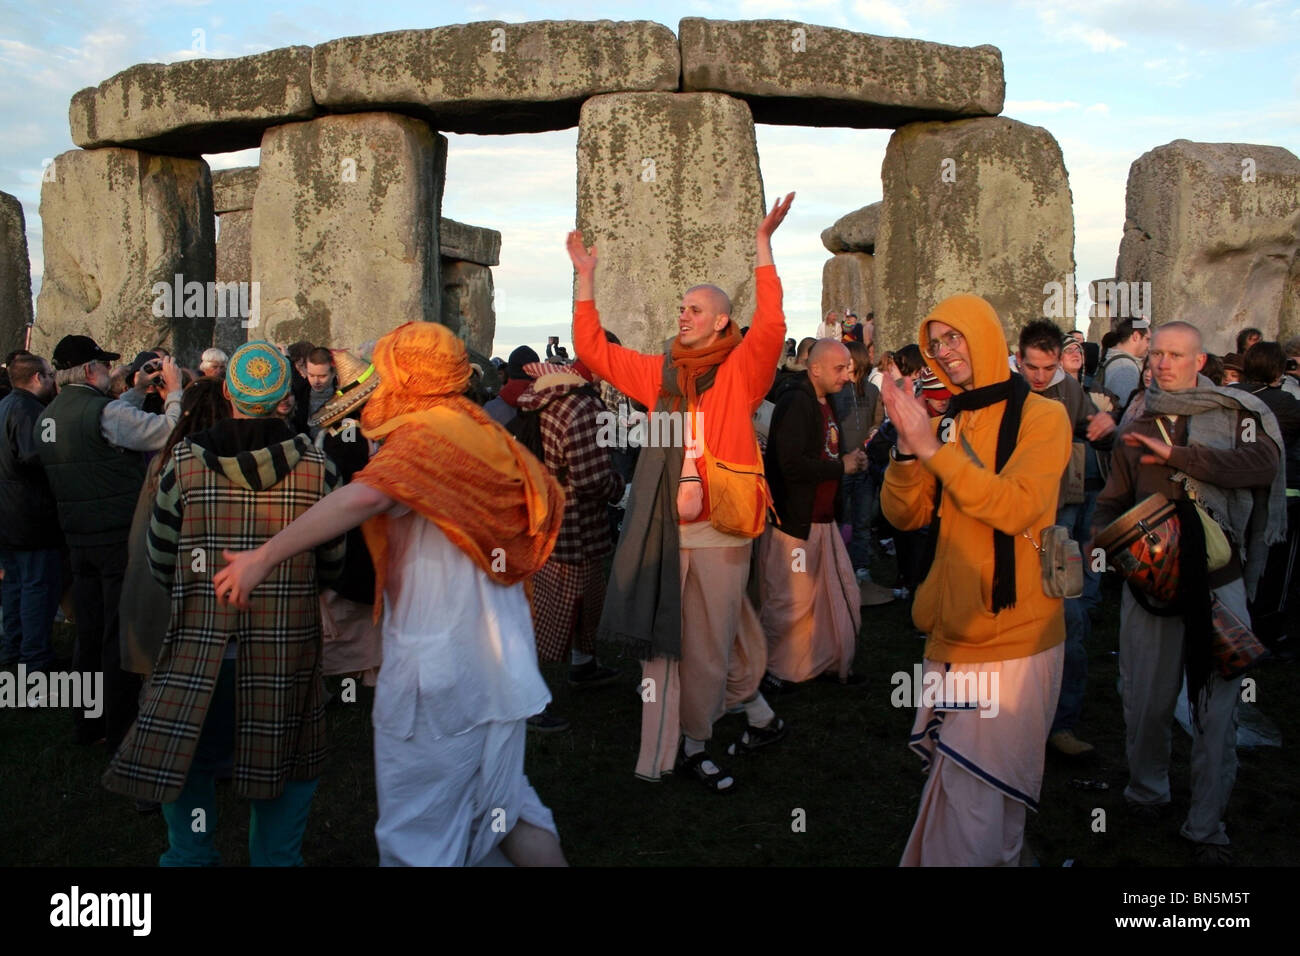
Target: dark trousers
<point x="97" y="574"/>
<point x="30" y="594"/>
<point x="1275" y="610"/>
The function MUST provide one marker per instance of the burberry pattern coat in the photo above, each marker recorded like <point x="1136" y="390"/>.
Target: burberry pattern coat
<point x="207" y="503"/>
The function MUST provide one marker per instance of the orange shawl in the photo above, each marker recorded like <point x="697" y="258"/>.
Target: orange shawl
<point x="447" y="460"/>
<point x="692" y="363"/>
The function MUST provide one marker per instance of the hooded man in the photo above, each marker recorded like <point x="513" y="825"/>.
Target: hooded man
<point x="985" y="477"/>
<point x="226" y="679"/>
<point x="677" y="587"/>
<point x="505" y="406"/>
<point x="1221" y="447"/>
<point x="456" y="515"/>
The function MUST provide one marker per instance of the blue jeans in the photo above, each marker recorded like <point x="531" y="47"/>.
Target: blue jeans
<point x="1078" y="628"/>
<point x="277" y="825"/>
<point x="30" y="596"/>
<point x="859" y="499"/>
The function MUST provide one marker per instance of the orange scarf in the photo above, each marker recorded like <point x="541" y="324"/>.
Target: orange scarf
<point x="692" y="363"/>
<point x="450" y="462"/>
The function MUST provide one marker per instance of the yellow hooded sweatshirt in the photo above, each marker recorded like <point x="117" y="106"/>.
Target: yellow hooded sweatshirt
<point x="953" y="604"/>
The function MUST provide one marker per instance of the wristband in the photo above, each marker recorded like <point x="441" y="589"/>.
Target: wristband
<point x="893" y="453"/>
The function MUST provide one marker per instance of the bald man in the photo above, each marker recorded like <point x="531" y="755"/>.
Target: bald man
<point x="1220" y="446"/>
<point x="676" y="595"/>
<point x="810" y="607"/>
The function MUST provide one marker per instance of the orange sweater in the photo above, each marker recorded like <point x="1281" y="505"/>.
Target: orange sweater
<point x="953" y="604"/>
<point x="727" y="409"/>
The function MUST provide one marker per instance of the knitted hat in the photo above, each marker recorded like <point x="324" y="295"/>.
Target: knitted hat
<point x="257" y="378"/>
<point x="518" y="359"/>
<point x="932" y="388"/>
<point x="357" y="378"/>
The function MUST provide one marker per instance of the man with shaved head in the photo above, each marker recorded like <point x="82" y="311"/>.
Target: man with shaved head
<point x="676" y="594"/>
<point x="810" y="607"/>
<point x="1219" y="447"/>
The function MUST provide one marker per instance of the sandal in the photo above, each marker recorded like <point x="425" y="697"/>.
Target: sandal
<point x="756" y="737"/>
<point x="715" y="780"/>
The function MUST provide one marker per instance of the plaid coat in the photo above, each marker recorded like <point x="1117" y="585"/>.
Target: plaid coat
<point x="207" y="502"/>
<point x="570" y="430"/>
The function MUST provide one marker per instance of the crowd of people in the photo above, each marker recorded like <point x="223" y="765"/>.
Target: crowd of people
<point x="434" y="524"/>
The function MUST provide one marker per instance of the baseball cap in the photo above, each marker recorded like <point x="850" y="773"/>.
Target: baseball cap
<point x="74" y="350"/>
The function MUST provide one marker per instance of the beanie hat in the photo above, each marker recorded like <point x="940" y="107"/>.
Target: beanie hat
<point x="518" y="359"/>
<point x="257" y="377"/>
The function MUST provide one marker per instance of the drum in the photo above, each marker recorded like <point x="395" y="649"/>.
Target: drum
<point x="1142" y="544"/>
<point x="1236" y="648"/>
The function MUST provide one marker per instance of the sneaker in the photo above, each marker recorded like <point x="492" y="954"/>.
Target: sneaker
<point x="755" y="738"/>
<point x="1212" y="854"/>
<point x="862" y="574"/>
<point x="547" y="723"/>
<point x="1065" y="743"/>
<point x="592" y="674"/>
<point x="902" y="594"/>
<point x="887" y="544"/>
<point x="773" y="686"/>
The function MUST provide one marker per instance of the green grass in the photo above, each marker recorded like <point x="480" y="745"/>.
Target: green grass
<point x="845" y="764"/>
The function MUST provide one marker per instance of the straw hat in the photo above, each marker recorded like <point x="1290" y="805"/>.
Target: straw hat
<point x="357" y="378"/>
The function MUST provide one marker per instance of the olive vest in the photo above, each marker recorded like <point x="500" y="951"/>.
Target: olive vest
<point x="95" y="483"/>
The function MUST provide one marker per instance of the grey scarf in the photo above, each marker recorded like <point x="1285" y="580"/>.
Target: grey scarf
<point x="1255" y="518"/>
<point x="643" y="600"/>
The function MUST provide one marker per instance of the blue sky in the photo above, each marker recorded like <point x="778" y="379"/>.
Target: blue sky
<point x="1110" y="79"/>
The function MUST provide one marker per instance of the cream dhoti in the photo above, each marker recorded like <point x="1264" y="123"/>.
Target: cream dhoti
<point x="810" y="596"/>
<point x="984" y="771"/>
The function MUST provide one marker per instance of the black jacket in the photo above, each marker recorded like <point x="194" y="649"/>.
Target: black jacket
<point x="793" y="459"/>
<point x="1286" y="409"/>
<point x="29" y="516"/>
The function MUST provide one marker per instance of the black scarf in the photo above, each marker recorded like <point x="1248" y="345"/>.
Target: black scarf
<point x="1013" y="391"/>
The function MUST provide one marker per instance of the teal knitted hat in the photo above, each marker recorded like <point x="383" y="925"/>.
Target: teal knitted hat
<point x="257" y="377"/>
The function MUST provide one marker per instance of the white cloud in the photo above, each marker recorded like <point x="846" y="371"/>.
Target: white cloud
<point x="1097" y="39"/>
<point x="1101" y="108"/>
<point x="882" y="12"/>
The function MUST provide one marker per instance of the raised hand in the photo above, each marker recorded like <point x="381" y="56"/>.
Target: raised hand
<point x="911" y="418"/>
<point x="584" y="259"/>
<point x="775" y="217"/>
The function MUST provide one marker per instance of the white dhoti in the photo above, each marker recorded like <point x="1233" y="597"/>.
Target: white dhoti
<point x="984" y="771"/>
<point x="451" y="801"/>
<point x="809" y="603"/>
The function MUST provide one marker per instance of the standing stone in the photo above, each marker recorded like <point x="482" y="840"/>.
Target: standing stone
<point x="344" y="246"/>
<point x="978" y="206"/>
<point x="848" y="283"/>
<point x="495" y="77"/>
<point x="232" y="199"/>
<point x="469" y="243"/>
<point x="804" y="75"/>
<point x="669" y="192"/>
<point x="117" y="223"/>
<point x="195" y="106"/>
<point x="467" y="306"/>
<point x="855" y="232"/>
<point x="15" y="276"/>
<point x="1215" y="229"/>
<point x="233" y="189"/>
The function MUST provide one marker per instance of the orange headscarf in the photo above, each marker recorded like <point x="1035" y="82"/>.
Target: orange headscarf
<point x="449" y="461"/>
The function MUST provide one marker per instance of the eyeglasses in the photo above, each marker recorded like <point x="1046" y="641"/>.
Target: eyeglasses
<point x="949" y="340"/>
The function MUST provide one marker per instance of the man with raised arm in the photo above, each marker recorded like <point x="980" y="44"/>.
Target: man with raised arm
<point x="676" y="594"/>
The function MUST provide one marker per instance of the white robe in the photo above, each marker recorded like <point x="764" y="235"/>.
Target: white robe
<point x="459" y="679"/>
